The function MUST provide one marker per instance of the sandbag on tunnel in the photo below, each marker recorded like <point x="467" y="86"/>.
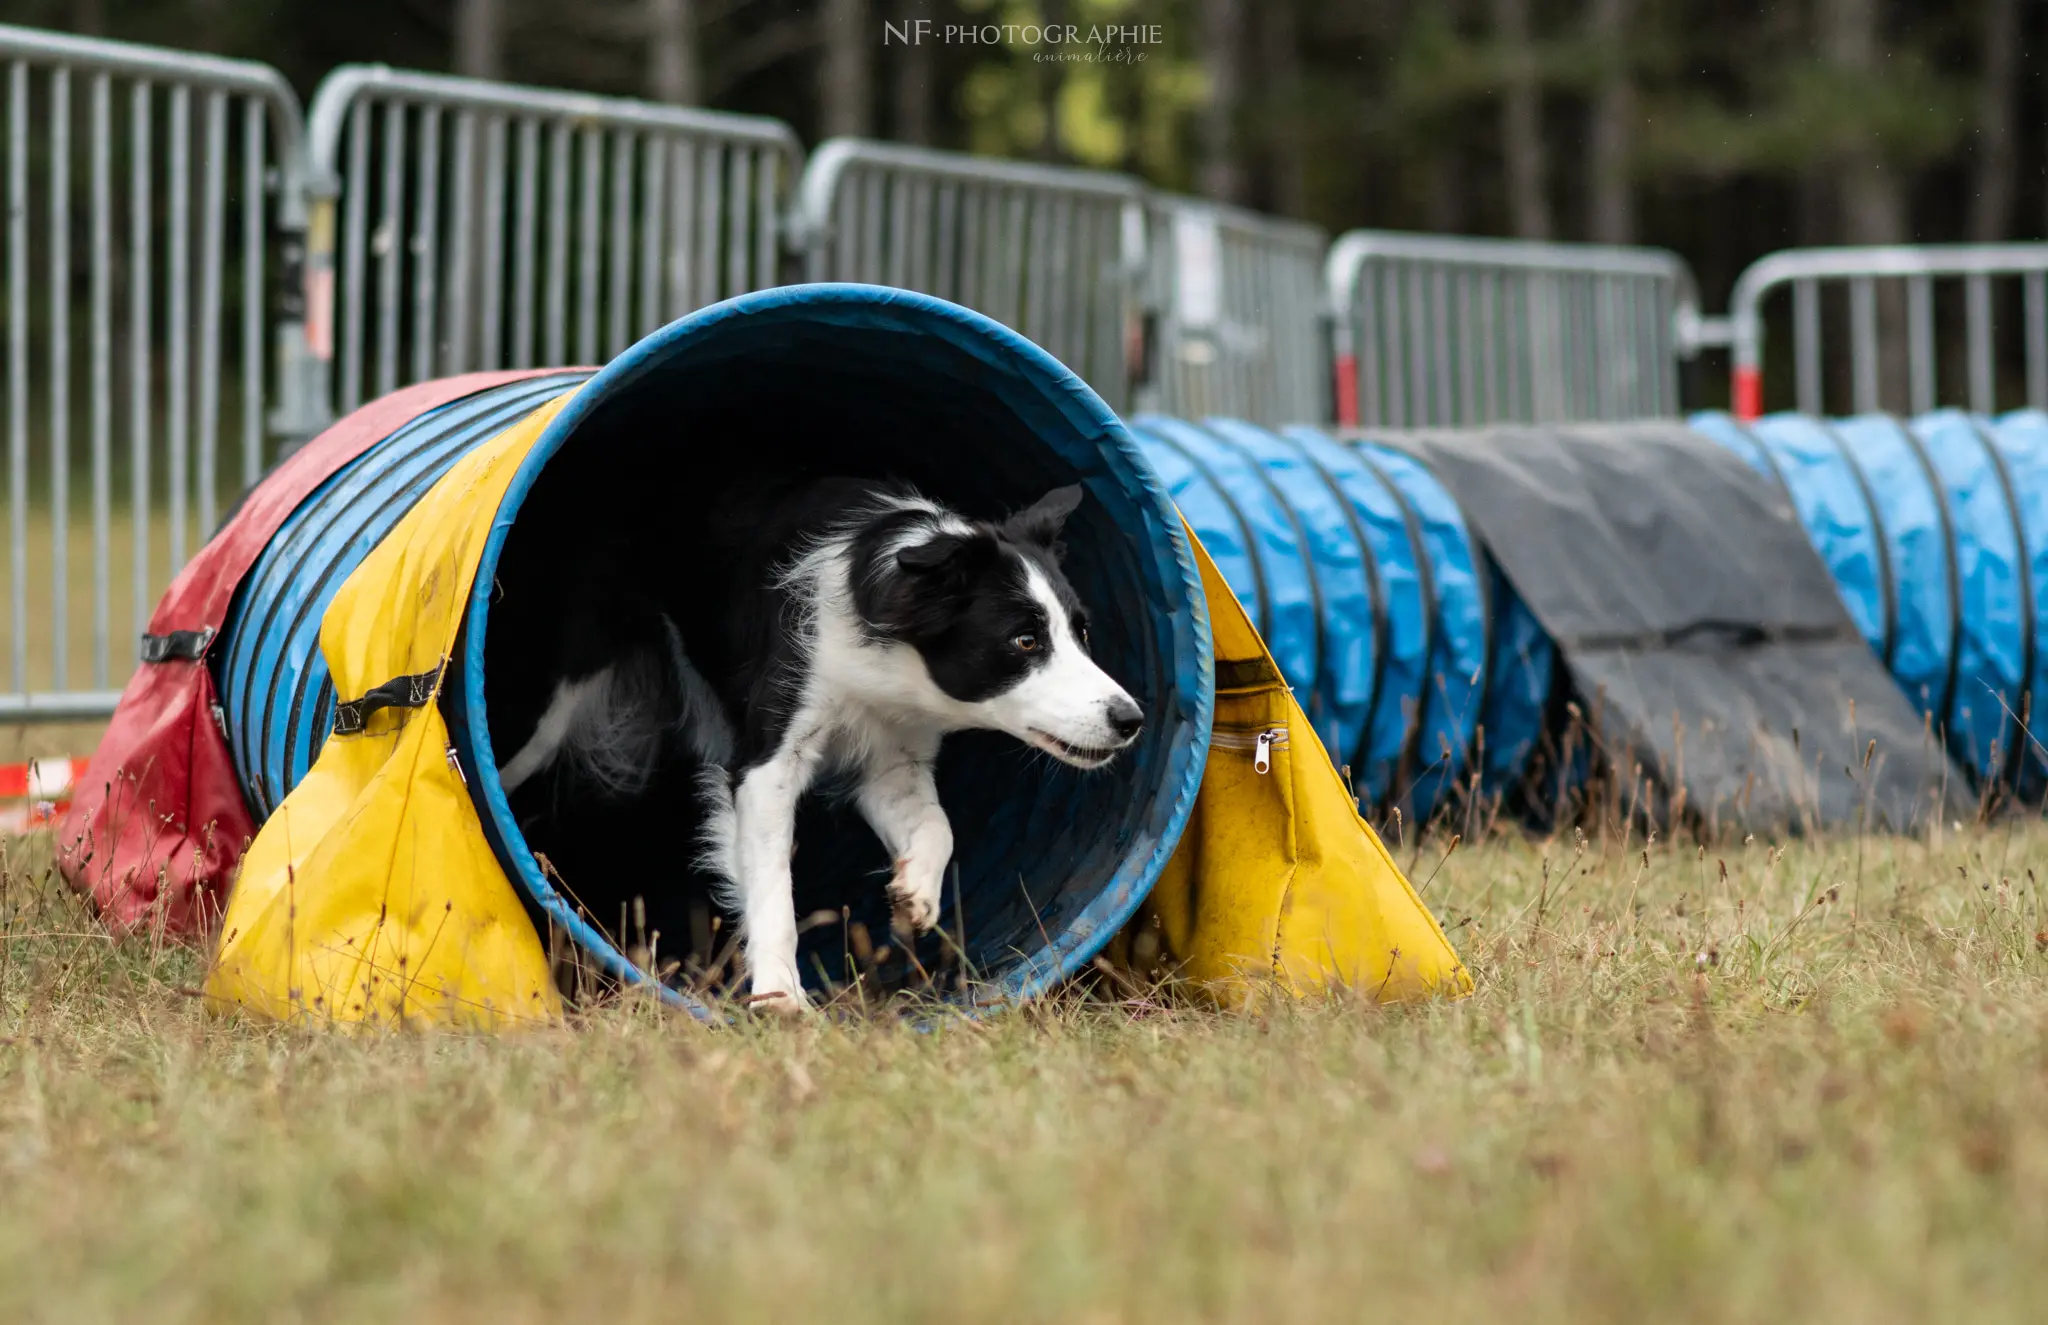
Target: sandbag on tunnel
<point x="1049" y="862"/>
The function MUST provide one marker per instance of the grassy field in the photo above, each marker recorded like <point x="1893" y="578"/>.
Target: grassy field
<point x="1808" y="1085"/>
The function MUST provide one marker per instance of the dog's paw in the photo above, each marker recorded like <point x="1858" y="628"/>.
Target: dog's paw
<point x="781" y="1002"/>
<point x="778" y="990"/>
<point x="913" y="905"/>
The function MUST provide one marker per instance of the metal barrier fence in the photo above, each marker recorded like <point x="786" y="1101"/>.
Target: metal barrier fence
<point x="415" y="225"/>
<point x="1916" y="268"/>
<point x="150" y="194"/>
<point x="516" y="226"/>
<point x="1238" y="299"/>
<point x="1429" y="331"/>
<point x="1056" y="254"/>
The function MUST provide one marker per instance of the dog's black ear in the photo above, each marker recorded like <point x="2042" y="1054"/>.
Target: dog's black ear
<point x="938" y="553"/>
<point x="1041" y="522"/>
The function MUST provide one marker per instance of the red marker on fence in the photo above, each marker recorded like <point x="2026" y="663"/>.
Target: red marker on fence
<point x="1747" y="382"/>
<point x="1347" y="390"/>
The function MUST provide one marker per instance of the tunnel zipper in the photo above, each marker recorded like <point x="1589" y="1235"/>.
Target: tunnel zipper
<point x="1261" y="743"/>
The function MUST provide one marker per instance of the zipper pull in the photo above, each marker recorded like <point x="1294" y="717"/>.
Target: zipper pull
<point x="1262" y="748"/>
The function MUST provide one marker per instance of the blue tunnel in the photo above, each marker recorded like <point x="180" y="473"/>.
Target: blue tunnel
<point x="1427" y="676"/>
<point x="1936" y="532"/>
<point x="1422" y="671"/>
<point x="921" y="389"/>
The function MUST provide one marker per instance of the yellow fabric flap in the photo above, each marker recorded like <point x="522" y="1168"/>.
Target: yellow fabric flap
<point x="1278" y="882"/>
<point x="372" y="894"/>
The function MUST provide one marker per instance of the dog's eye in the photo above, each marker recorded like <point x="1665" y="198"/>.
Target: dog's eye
<point x="1026" y="643"/>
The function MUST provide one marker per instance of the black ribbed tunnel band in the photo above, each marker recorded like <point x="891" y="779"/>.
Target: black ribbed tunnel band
<point x="403" y="692"/>
<point x="177" y="646"/>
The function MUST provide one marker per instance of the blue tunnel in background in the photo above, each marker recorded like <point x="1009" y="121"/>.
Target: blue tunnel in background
<point x="1427" y="677"/>
<point x="1936" y="532"/>
<point x="1423" y="673"/>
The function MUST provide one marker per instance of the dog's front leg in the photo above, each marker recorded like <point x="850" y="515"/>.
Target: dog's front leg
<point x="764" y="831"/>
<point x="901" y="803"/>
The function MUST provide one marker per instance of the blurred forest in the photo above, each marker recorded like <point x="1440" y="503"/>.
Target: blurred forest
<point x="1721" y="128"/>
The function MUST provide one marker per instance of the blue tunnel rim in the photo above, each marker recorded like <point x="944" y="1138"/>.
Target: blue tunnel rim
<point x="1936" y="432"/>
<point x="1360" y="755"/>
<point x="1858" y="433"/>
<point x="266" y="749"/>
<point x="1065" y="953"/>
<point x="1230" y="432"/>
<point x="1887" y="574"/>
<point x="2015" y="757"/>
<point x="1164" y="430"/>
<point x="1820" y="477"/>
<point x="1409" y="771"/>
<point x="2030" y="781"/>
<point x="1945" y="519"/>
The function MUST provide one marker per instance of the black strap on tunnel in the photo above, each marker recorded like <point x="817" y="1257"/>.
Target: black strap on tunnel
<point x="1953" y="574"/>
<point x="177" y="646"/>
<point x="1887" y="585"/>
<point x="1244" y="529"/>
<point x="408" y="692"/>
<point x="1374" y="590"/>
<point x="1425" y="579"/>
<point x="2023" y="702"/>
<point x="1301" y="541"/>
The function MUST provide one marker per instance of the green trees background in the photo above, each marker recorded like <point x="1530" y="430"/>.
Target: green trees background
<point x="1722" y="128"/>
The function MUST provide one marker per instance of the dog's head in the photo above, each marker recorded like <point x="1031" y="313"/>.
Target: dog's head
<point x="1004" y="635"/>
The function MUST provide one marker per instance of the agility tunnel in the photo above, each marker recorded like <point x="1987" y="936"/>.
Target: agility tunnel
<point x="318" y="643"/>
<point x="1935" y="530"/>
<point x="1049" y="861"/>
<point x="1428" y="674"/>
<point x="1421" y="668"/>
<point x="1430" y="600"/>
<point x="1443" y="601"/>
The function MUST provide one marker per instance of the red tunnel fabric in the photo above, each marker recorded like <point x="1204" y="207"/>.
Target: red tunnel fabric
<point x="158" y="823"/>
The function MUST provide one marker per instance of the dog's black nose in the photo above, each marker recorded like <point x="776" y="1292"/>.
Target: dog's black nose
<point x="1125" y="718"/>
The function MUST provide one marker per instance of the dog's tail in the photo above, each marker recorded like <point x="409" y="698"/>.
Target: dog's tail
<point x="716" y="837"/>
<point x="610" y="730"/>
<point x="700" y="717"/>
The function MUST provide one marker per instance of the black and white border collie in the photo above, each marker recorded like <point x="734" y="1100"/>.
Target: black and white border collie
<point x="836" y="627"/>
